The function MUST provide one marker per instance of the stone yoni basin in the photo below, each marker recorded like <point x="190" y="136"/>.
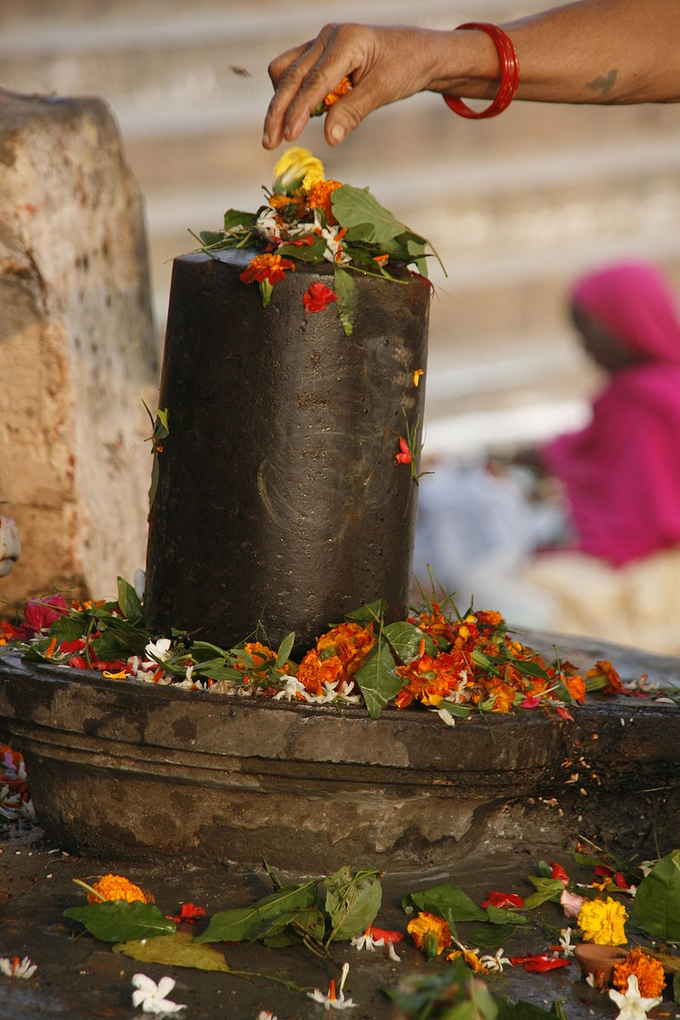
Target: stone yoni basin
<point x="140" y="771"/>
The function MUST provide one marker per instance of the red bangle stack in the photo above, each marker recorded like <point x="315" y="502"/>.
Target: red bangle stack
<point x="509" y="74"/>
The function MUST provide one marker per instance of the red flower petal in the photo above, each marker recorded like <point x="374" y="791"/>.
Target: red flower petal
<point x="538" y="963"/>
<point x="384" y="933"/>
<point x="559" y="873"/>
<point x="318" y="297"/>
<point x="503" y="899"/>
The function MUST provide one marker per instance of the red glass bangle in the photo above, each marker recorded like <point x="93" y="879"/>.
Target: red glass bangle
<point x="509" y="75"/>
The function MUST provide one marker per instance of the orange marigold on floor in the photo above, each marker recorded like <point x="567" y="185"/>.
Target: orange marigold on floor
<point x="648" y="971"/>
<point x="430" y="932"/>
<point x="116" y="887"/>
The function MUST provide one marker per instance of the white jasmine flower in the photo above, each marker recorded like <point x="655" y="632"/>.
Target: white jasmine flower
<point x="333" y="1001"/>
<point x="565" y="942"/>
<point x="367" y="942"/>
<point x="632" y="1006"/>
<point x="494" y="964"/>
<point x="293" y="689"/>
<point x="159" y="649"/>
<point x="445" y="716"/>
<point x="266" y="224"/>
<point x="18" y="969"/>
<point x="151" y="996"/>
<point x="330" y="235"/>
<point x="265" y="1014"/>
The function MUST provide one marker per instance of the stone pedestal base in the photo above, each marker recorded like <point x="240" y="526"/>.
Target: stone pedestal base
<point x="139" y="771"/>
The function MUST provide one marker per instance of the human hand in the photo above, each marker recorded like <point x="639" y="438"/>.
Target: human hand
<point x="384" y="65"/>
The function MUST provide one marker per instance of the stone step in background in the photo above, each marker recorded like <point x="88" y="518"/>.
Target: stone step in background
<point x="516" y="206"/>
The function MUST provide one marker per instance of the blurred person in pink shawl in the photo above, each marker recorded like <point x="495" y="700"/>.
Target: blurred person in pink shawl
<point x="621" y="474"/>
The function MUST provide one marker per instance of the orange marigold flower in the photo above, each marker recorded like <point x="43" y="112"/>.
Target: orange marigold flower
<point x="605" y="669"/>
<point x="430" y="933"/>
<point x="350" y="642"/>
<point x="576" y="687"/>
<point x="258" y="652"/>
<point x="116" y="887"/>
<point x="648" y="971"/>
<point x="290" y="207"/>
<point x="313" y="671"/>
<point x="266" y="267"/>
<point x="504" y="697"/>
<point x="319" y="197"/>
<point x="435" y="623"/>
<point x="342" y="89"/>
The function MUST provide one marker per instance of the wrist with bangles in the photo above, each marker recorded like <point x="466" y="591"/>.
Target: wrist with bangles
<point x="509" y="74"/>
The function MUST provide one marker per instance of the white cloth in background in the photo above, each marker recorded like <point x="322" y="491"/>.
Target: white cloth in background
<point x="478" y="531"/>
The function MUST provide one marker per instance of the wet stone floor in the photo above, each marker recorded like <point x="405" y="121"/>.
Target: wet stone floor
<point x="79" y="978"/>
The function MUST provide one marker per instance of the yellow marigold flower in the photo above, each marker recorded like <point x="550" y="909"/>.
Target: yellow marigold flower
<point x="602" y="921"/>
<point x="430" y="933"/>
<point x="319" y="197"/>
<point x="116" y="887"/>
<point x="648" y="971"/>
<point x="297" y="168"/>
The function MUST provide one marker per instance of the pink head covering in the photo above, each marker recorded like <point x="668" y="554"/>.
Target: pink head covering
<point x="634" y="302"/>
<point x="622" y="472"/>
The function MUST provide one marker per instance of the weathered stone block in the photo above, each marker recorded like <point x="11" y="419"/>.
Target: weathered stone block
<point x="77" y="347"/>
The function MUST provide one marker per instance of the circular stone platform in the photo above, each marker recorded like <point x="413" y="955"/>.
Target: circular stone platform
<point x="141" y="771"/>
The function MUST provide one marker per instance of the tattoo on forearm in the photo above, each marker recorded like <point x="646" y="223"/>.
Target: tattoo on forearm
<point x="603" y="85"/>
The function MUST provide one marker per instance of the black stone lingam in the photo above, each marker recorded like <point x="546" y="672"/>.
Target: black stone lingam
<point x="279" y="499"/>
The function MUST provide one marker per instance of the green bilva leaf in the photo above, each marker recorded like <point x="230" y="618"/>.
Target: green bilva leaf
<point x="363" y="215"/>
<point x="295" y="924"/>
<point x="177" y="950"/>
<point x="235" y="218"/>
<point x="370" y="612"/>
<point x="657" y="901"/>
<point x="352" y="901"/>
<point x="67" y="629"/>
<point x="129" y="602"/>
<point x="546" y="889"/>
<point x="488" y="936"/>
<point x="285" y="648"/>
<point x="448" y="901"/>
<point x="377" y="680"/>
<point x="346" y="289"/>
<point x="439" y="994"/>
<point x="521" y="1011"/>
<point x="209" y="238"/>
<point x="236" y="925"/>
<point x="404" y="638"/>
<point x="307" y="253"/>
<point x="118" y="921"/>
<point x="501" y="915"/>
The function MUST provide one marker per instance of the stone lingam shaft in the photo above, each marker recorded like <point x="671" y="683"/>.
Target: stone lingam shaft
<point x="280" y="503"/>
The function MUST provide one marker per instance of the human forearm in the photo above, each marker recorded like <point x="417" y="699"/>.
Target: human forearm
<point x="594" y="51"/>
